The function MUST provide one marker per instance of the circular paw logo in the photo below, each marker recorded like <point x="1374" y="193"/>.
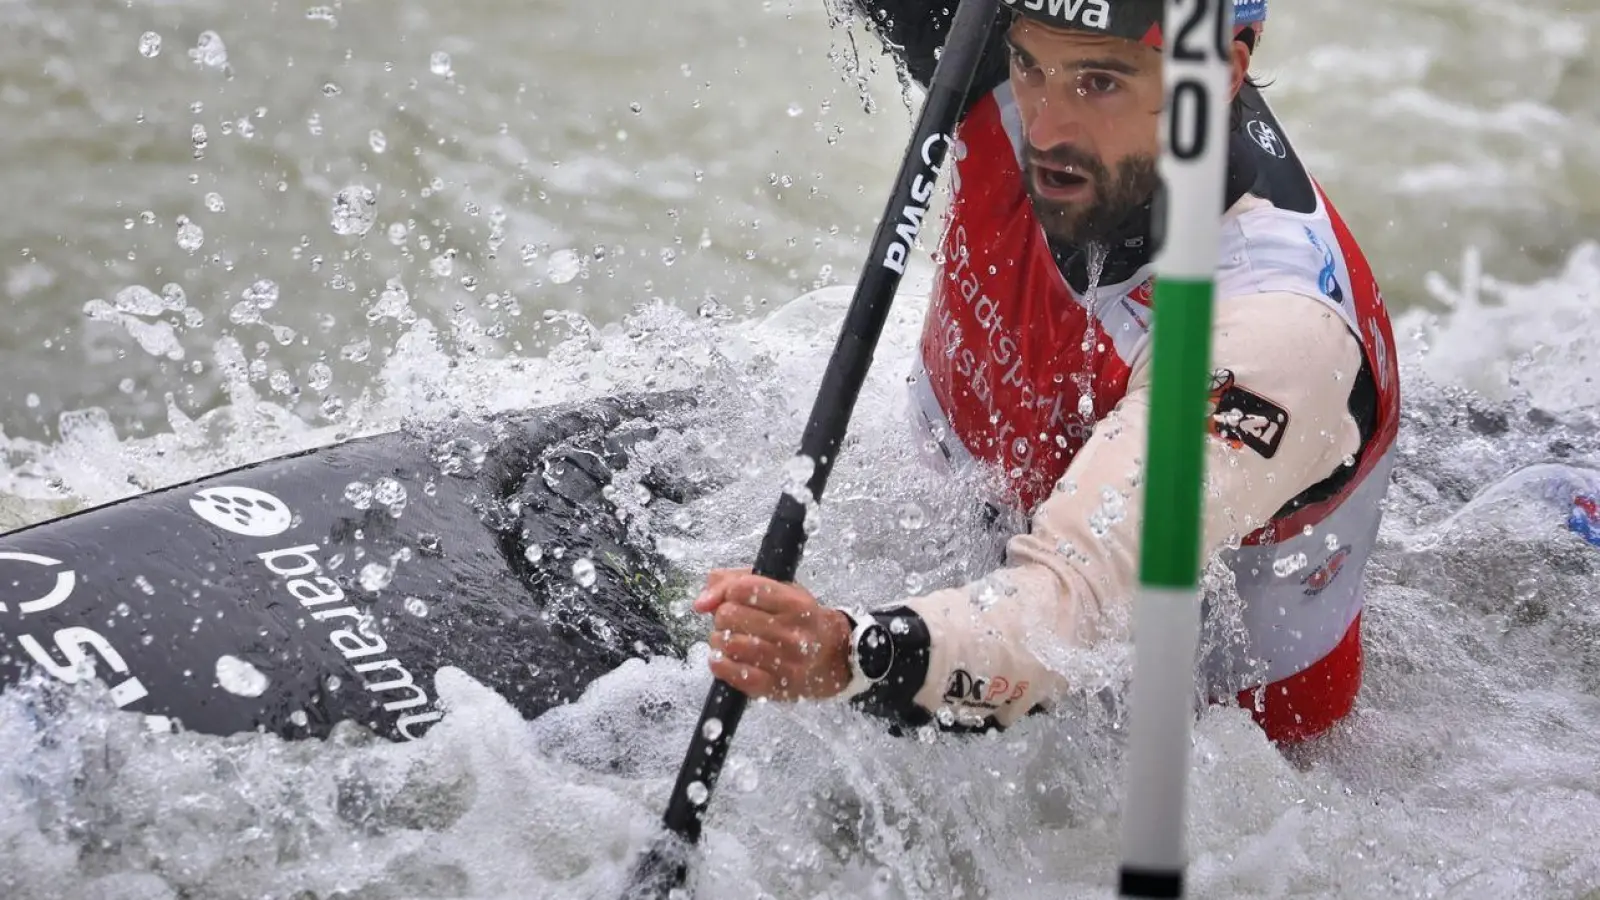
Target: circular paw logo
<point x="242" y="510"/>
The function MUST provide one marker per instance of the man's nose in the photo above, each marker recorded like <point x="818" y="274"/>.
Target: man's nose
<point x="1057" y="120"/>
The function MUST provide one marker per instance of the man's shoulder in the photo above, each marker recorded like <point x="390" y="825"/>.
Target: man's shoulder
<point x="1267" y="249"/>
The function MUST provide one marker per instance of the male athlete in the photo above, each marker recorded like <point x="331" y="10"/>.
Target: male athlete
<point x="1035" y="362"/>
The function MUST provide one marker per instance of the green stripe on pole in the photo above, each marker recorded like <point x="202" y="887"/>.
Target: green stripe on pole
<point x="1179" y="400"/>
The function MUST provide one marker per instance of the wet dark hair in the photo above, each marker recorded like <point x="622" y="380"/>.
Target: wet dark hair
<point x="1237" y="108"/>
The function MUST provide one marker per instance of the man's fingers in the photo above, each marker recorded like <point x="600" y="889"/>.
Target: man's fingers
<point x="741" y="619"/>
<point x="774" y="597"/>
<point x="713" y="596"/>
<point x="750" y="650"/>
<point x="718" y="578"/>
<point x="747" y="680"/>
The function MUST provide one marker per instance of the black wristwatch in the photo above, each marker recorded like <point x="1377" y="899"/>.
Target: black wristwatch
<point x="871" y="654"/>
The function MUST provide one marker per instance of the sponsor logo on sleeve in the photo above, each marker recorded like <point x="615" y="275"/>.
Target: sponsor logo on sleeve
<point x="1266" y="137"/>
<point x="1243" y="418"/>
<point x="982" y="692"/>
<point x="1322" y="576"/>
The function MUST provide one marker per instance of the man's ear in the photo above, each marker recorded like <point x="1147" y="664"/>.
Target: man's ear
<point x="1241" y="66"/>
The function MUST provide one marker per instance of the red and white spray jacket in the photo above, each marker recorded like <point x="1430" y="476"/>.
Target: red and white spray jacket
<point x="1047" y="386"/>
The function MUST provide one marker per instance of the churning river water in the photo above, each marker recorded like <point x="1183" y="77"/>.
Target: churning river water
<point x="240" y="229"/>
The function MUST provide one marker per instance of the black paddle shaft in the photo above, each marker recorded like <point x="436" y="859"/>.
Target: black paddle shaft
<point x="781" y="549"/>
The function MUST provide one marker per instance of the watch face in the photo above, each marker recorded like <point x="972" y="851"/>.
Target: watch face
<point x="874" y="652"/>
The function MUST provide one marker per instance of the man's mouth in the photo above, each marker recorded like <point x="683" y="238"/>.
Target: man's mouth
<point x="1060" y="182"/>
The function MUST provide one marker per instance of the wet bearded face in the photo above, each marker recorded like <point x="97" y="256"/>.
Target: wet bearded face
<point x="1114" y="194"/>
<point x="1089" y="106"/>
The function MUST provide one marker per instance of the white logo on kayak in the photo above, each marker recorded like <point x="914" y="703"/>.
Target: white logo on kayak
<point x="65" y="582"/>
<point x="243" y="511"/>
<point x="76" y="648"/>
<point x="353" y="632"/>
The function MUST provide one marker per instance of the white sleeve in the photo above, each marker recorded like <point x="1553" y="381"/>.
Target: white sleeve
<point x="1017" y="638"/>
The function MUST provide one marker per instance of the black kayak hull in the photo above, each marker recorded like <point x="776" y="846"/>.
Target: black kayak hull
<point x="279" y="598"/>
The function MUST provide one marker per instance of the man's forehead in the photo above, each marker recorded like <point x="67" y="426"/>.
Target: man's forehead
<point x="1058" y="44"/>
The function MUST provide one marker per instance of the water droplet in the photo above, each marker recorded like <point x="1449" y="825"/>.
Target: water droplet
<point x="244" y="313"/>
<point x="583" y="572"/>
<point x="358" y="494"/>
<point x="149" y="45"/>
<point x="439" y="64"/>
<point x="797" y="473"/>
<point x="263" y="294"/>
<point x="668" y="256"/>
<point x="214" y="203"/>
<point x="1112" y="510"/>
<point x="333" y="682"/>
<point x="190" y="235"/>
<point x="697" y="793"/>
<point x="210" y="51"/>
<point x="1285" y="566"/>
<point x="459" y="455"/>
<point x="417" y="607"/>
<point x="637" y="107"/>
<point x="564" y="266"/>
<point x="319" y="376"/>
<point x="139" y="300"/>
<point x="377" y="141"/>
<point x="357" y="350"/>
<point x="389" y="492"/>
<point x="711" y="309"/>
<point x="355" y="208"/>
<point x="912" y="517"/>
<point x="240" y="678"/>
<point x="747" y="779"/>
<point x="375" y="576"/>
<point x="1331" y="542"/>
<point x="984" y="595"/>
<point x="299" y="718"/>
<point x="712" y="729"/>
<point x="795" y="110"/>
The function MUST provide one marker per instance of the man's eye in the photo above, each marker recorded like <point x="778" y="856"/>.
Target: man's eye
<point x="1023" y="64"/>
<point x="1098" y="84"/>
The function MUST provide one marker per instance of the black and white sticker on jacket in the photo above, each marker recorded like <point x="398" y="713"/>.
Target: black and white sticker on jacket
<point x="1243" y="418"/>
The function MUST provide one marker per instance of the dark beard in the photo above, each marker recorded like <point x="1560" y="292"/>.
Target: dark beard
<point x="1117" y="196"/>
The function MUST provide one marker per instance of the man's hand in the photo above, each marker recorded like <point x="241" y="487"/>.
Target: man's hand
<point x="774" y="640"/>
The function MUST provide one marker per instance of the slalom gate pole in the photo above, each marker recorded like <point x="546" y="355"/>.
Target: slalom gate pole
<point x="1198" y="35"/>
<point x="663" y="868"/>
